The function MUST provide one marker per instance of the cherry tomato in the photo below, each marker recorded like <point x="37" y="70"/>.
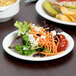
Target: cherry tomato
<point x="64" y="40"/>
<point x="63" y="43"/>
<point x="63" y="0"/>
<point x="73" y="0"/>
<point x="61" y="47"/>
<point x="61" y="36"/>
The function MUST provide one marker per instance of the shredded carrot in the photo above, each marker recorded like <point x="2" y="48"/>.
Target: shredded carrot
<point x="47" y="42"/>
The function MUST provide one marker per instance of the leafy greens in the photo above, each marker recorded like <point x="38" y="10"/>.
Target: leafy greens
<point x="23" y="28"/>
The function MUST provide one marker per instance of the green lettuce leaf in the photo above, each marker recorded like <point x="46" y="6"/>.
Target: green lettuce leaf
<point x="24" y="50"/>
<point x="23" y="28"/>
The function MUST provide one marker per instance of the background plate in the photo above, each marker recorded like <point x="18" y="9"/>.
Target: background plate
<point x="41" y="12"/>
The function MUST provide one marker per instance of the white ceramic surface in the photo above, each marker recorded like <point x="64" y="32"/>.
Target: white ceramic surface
<point x="6" y="13"/>
<point x="41" y="12"/>
<point x="10" y="37"/>
<point x="5" y="19"/>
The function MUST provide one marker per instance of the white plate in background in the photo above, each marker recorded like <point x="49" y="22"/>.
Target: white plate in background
<point x="41" y="12"/>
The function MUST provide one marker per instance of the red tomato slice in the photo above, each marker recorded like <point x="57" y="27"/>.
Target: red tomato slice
<point x="64" y="0"/>
<point x="61" y="36"/>
<point x="63" y="43"/>
<point x="73" y="0"/>
<point x="61" y="47"/>
<point x="64" y="40"/>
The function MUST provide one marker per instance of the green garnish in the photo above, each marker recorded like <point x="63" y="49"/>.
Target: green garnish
<point x="71" y="6"/>
<point x="23" y="28"/>
<point x="25" y="40"/>
<point x="24" y="50"/>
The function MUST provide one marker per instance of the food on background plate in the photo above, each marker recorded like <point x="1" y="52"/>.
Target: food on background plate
<point x="65" y="0"/>
<point x="49" y="8"/>
<point x="71" y="6"/>
<point x="63" y="17"/>
<point x="72" y="17"/>
<point x="66" y="9"/>
<point x="70" y="14"/>
<point x="6" y="2"/>
<point x="38" y="41"/>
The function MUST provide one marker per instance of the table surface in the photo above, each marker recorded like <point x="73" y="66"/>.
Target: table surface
<point x="10" y="66"/>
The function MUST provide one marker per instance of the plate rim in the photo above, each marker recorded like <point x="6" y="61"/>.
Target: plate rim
<point x="30" y="58"/>
<point x="50" y="18"/>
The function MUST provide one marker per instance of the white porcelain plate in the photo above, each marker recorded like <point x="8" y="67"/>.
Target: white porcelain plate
<point x="41" y="12"/>
<point x="10" y="37"/>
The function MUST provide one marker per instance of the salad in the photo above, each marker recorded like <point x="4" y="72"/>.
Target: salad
<point x="64" y="10"/>
<point x="38" y="41"/>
